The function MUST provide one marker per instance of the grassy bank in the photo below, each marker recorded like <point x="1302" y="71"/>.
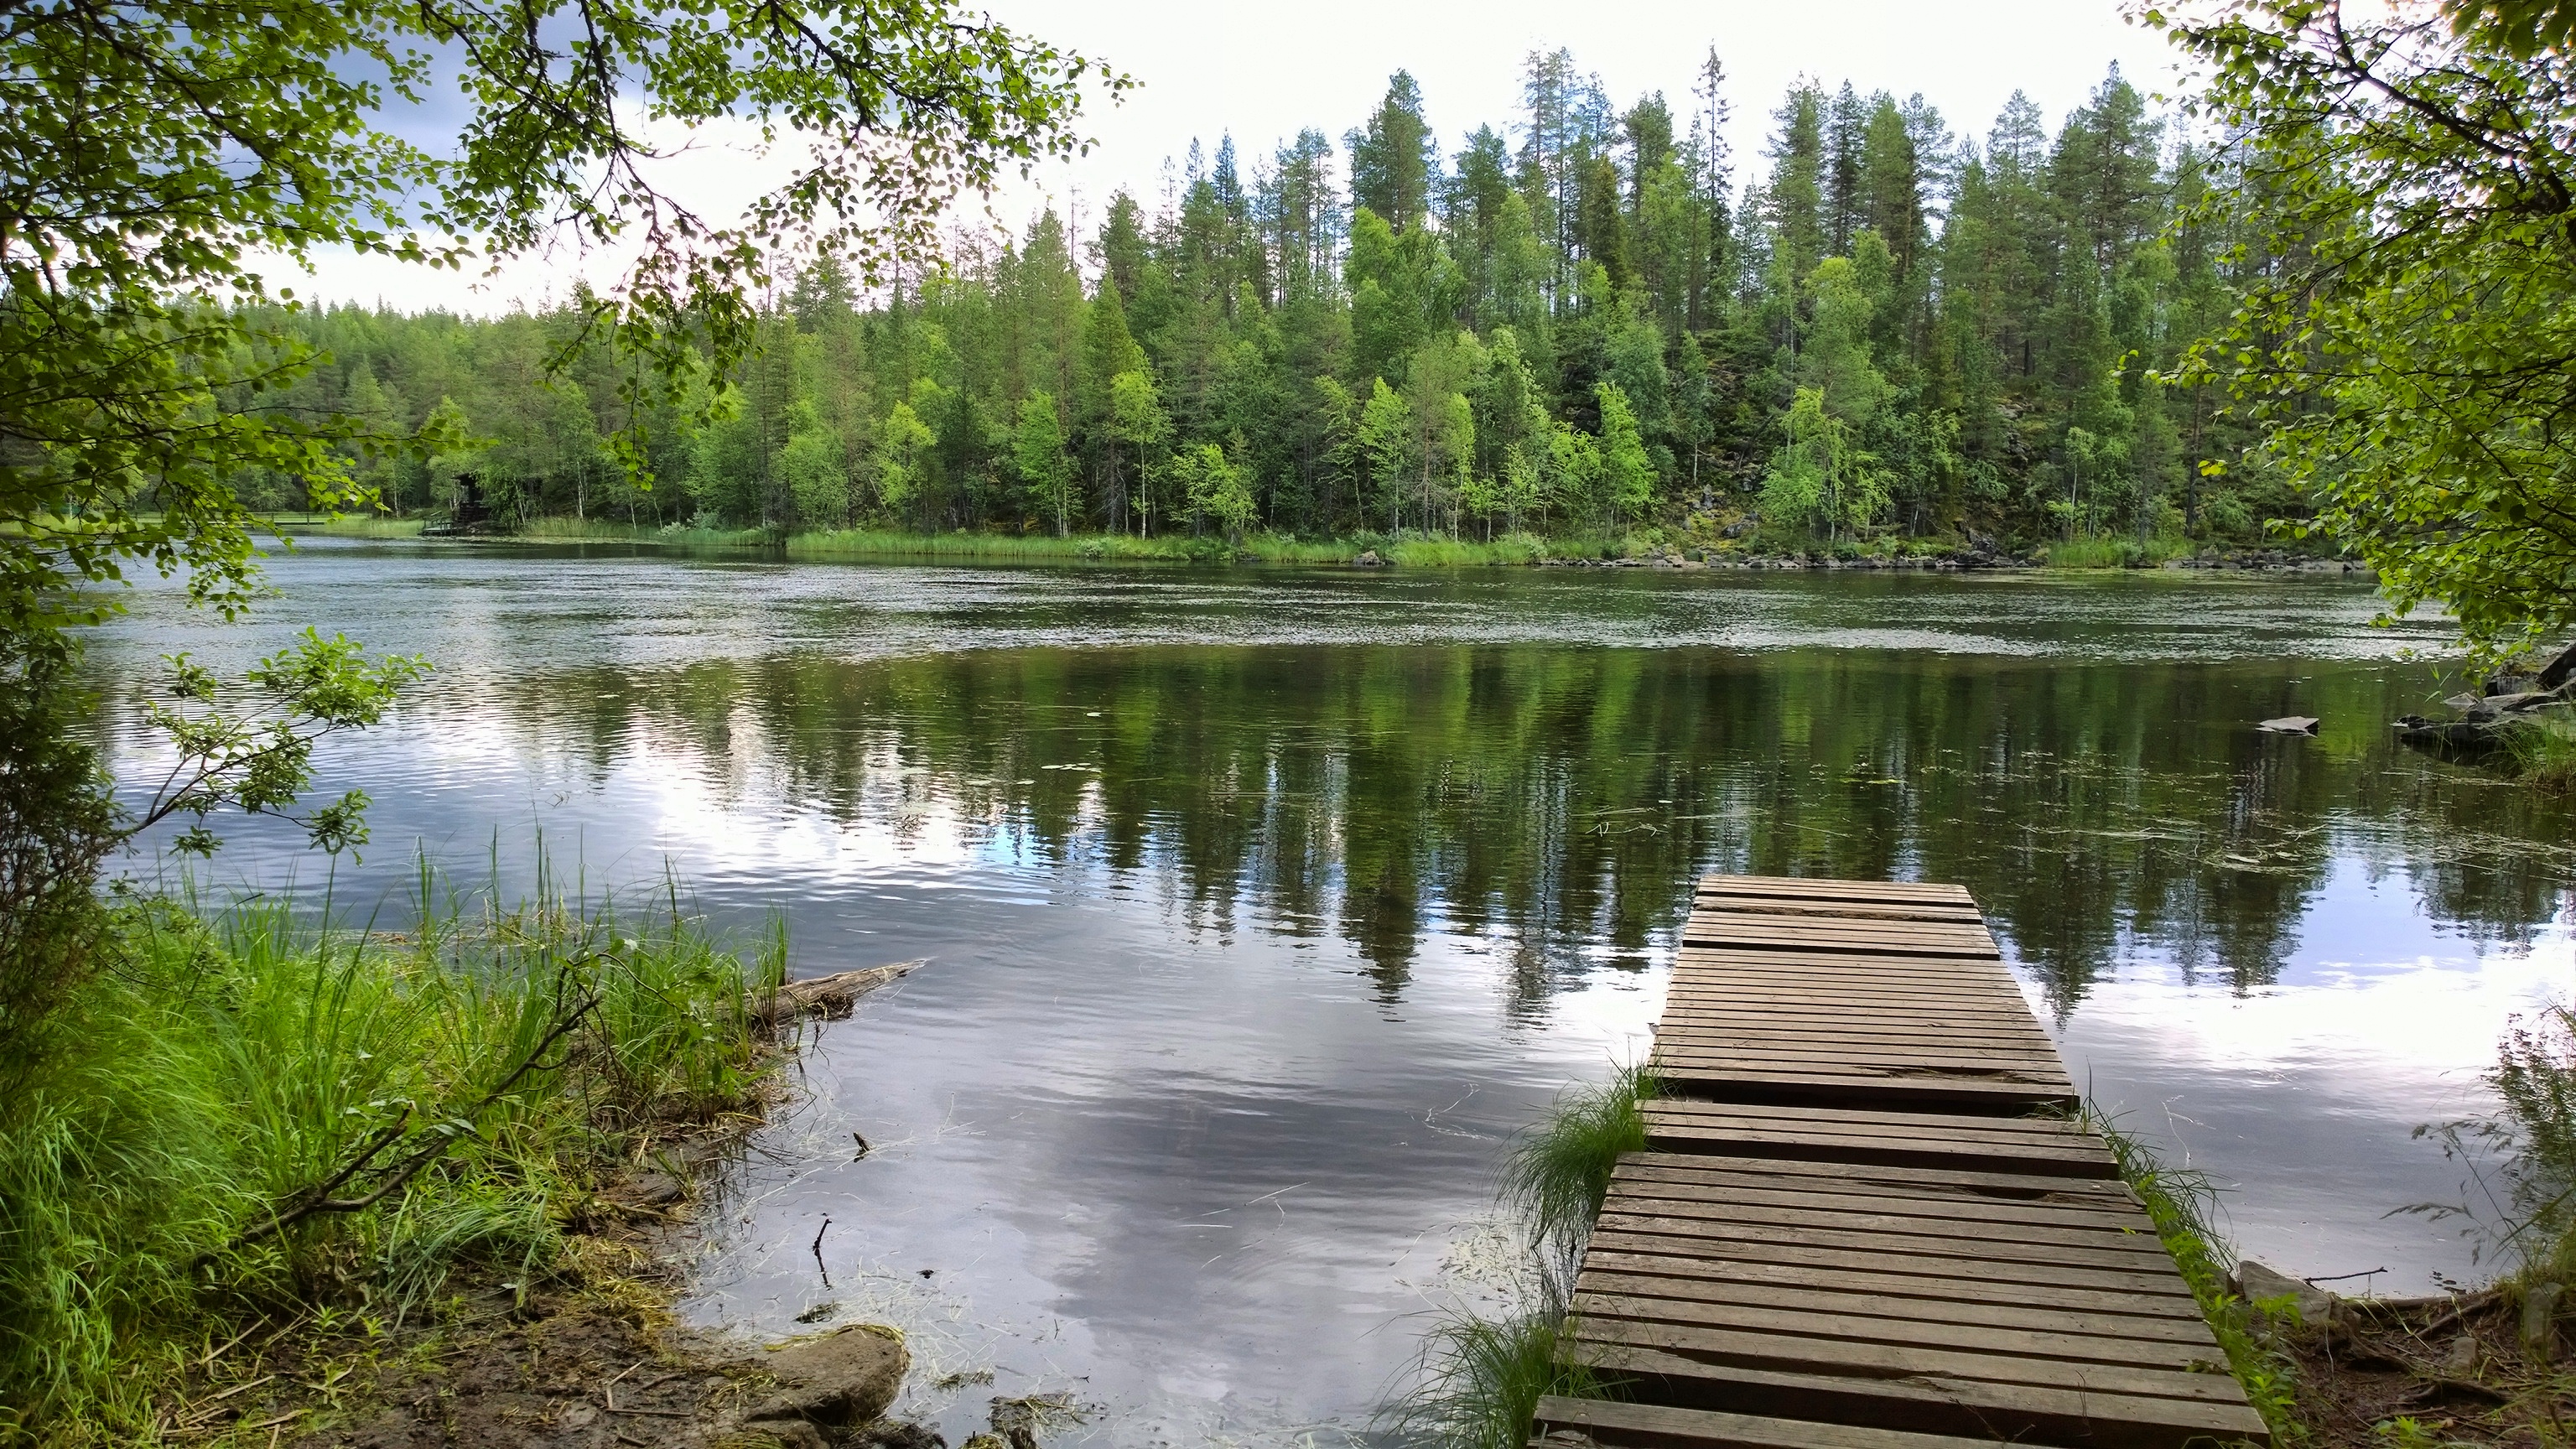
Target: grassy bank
<point x="250" y="1119"/>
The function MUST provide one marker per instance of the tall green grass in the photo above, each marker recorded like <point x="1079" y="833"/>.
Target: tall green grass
<point x="238" y="1056"/>
<point x="2116" y="553"/>
<point x="2541" y="751"/>
<point x="1481" y="1376"/>
<point x="373" y="527"/>
<point x="2178" y="1201"/>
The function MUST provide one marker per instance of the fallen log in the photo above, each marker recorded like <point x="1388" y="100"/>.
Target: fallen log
<point x="830" y="997"/>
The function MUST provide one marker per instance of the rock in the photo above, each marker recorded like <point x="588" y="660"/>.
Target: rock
<point x="842" y="1378"/>
<point x="2540" y="1319"/>
<point x="1368" y="559"/>
<point x="2512" y="684"/>
<point x="895" y="1434"/>
<point x="832" y="997"/>
<point x="2290" y="724"/>
<point x="655" y="1189"/>
<point x="983" y="1441"/>
<point x="2468" y="734"/>
<point x="2258" y="1284"/>
<point x="2460" y="1361"/>
<point x="2560" y="669"/>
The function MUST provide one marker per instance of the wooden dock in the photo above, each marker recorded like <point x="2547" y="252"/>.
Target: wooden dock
<point x="1863" y="1219"/>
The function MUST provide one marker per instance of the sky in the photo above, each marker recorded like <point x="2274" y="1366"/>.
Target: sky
<point x="1263" y="72"/>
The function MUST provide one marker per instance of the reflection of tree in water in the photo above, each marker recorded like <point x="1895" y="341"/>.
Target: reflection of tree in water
<point x="1555" y="803"/>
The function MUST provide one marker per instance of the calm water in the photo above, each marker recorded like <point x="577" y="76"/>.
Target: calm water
<point x="1261" y="910"/>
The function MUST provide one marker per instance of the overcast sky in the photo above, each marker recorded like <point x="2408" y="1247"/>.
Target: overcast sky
<point x="1263" y="72"/>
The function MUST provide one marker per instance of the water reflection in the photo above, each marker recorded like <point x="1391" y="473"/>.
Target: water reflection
<point x="1555" y="801"/>
<point x="1261" y="910"/>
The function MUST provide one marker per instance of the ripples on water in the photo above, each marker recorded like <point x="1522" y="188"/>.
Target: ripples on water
<point x="1262" y="909"/>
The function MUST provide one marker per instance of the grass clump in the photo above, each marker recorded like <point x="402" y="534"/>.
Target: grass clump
<point x="372" y="527"/>
<point x="2541" y="752"/>
<point x="255" y="1115"/>
<point x="2178" y="1202"/>
<point x="1559" y="1175"/>
<point x="1481" y="1375"/>
<point x="2115" y="553"/>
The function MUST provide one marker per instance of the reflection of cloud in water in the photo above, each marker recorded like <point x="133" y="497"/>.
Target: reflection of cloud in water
<point x="2302" y="1097"/>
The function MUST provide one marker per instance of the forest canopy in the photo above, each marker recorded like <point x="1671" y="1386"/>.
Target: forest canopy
<point x="1585" y="319"/>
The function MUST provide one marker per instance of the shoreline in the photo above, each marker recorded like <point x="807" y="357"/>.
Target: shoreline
<point x="1368" y="552"/>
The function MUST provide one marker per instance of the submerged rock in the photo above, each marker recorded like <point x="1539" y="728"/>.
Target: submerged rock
<point x="2290" y="724"/>
<point x="896" y="1434"/>
<point x="841" y="1379"/>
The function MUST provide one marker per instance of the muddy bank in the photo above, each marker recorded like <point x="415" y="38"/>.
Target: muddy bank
<point x="585" y="1353"/>
<point x="2488" y="1366"/>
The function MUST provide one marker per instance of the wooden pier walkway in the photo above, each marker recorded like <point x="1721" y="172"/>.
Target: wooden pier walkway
<point x="1862" y="1220"/>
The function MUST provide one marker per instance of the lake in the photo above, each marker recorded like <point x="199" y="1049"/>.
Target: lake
<point x="1261" y="910"/>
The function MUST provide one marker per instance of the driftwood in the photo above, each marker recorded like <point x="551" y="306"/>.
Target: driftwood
<point x="830" y="997"/>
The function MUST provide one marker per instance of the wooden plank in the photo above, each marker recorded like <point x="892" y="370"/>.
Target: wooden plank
<point x="1741" y="1130"/>
<point x="1899" y="1290"/>
<point x="1631" y="1181"/>
<point x="1895" y="1225"/>
<point x="1647" y="1237"/>
<point x="1798" y="1354"/>
<point x="1716" y="1235"/>
<point x="1707" y="1289"/>
<point x="1602" y="1303"/>
<point x="1613" y="1425"/>
<point x="1939" y="1405"/>
<point x="1953" y="1181"/>
<point x="1758" y="903"/>
<point x="1837" y="936"/>
<point x="1829" y="888"/>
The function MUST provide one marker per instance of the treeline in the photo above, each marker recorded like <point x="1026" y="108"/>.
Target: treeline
<point x="1578" y="324"/>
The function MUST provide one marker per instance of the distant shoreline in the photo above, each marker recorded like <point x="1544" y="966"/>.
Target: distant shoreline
<point x="1370" y="552"/>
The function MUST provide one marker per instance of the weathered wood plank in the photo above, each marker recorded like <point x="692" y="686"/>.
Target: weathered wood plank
<point x="1936" y="1404"/>
<point x="1604" y="1303"/>
<point x="1612" y="1425"/>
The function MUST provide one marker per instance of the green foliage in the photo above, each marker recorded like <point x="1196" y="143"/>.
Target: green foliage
<point x="240" y="1057"/>
<point x="2403" y="343"/>
<point x="258" y="757"/>
<point x="131" y="404"/>
<point x="1426" y="353"/>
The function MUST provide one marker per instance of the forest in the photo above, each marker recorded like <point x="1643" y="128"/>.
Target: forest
<point x="1577" y="326"/>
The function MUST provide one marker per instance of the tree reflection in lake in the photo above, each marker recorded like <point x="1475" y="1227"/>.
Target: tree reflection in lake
<point x="1560" y="800"/>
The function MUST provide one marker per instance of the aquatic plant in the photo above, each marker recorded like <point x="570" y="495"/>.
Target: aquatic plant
<point x="254" y="1108"/>
<point x="2178" y="1201"/>
<point x="1480" y="1376"/>
<point x="2541" y="752"/>
<point x="1557" y="1178"/>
